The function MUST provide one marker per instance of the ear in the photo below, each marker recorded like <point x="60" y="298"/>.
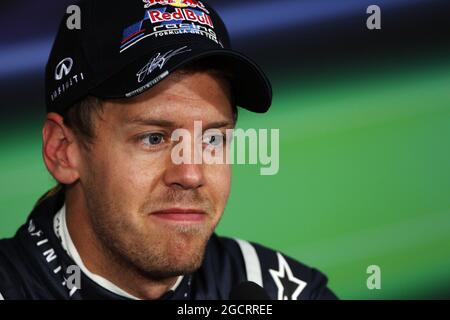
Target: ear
<point x="60" y="150"/>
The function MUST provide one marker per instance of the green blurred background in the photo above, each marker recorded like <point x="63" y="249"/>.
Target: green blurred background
<point x="364" y="155"/>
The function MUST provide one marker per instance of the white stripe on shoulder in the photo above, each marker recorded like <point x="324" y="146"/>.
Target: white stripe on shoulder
<point x="1" y="297"/>
<point x="251" y="260"/>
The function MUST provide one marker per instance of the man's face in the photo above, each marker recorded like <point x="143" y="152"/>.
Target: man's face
<point x="132" y="187"/>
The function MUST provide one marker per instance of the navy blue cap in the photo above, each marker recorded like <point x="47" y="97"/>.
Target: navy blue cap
<point x="125" y="47"/>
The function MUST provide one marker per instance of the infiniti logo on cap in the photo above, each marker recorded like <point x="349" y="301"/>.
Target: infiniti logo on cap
<point x="62" y="71"/>
<point x="63" y="68"/>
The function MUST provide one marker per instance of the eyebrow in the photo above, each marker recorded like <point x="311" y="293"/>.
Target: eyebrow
<point x="219" y="124"/>
<point x="171" y="124"/>
<point x="151" y="122"/>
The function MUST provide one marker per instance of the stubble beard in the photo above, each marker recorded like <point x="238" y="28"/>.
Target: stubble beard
<point x="132" y="248"/>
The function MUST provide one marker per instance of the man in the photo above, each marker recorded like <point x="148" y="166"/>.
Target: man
<point x="134" y="222"/>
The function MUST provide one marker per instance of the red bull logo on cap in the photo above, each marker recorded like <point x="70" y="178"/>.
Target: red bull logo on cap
<point x="176" y="3"/>
<point x="157" y="16"/>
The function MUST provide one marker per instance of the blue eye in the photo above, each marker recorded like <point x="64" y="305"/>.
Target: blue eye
<point x="153" y="139"/>
<point x="214" y="140"/>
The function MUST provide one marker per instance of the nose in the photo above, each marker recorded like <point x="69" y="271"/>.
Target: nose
<point x="184" y="176"/>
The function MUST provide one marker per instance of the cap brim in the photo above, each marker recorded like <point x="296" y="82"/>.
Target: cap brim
<point x="251" y="88"/>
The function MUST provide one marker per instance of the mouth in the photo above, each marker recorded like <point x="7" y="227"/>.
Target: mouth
<point x="181" y="215"/>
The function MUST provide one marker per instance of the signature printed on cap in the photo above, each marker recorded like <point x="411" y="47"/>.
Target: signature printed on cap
<point x="158" y="61"/>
